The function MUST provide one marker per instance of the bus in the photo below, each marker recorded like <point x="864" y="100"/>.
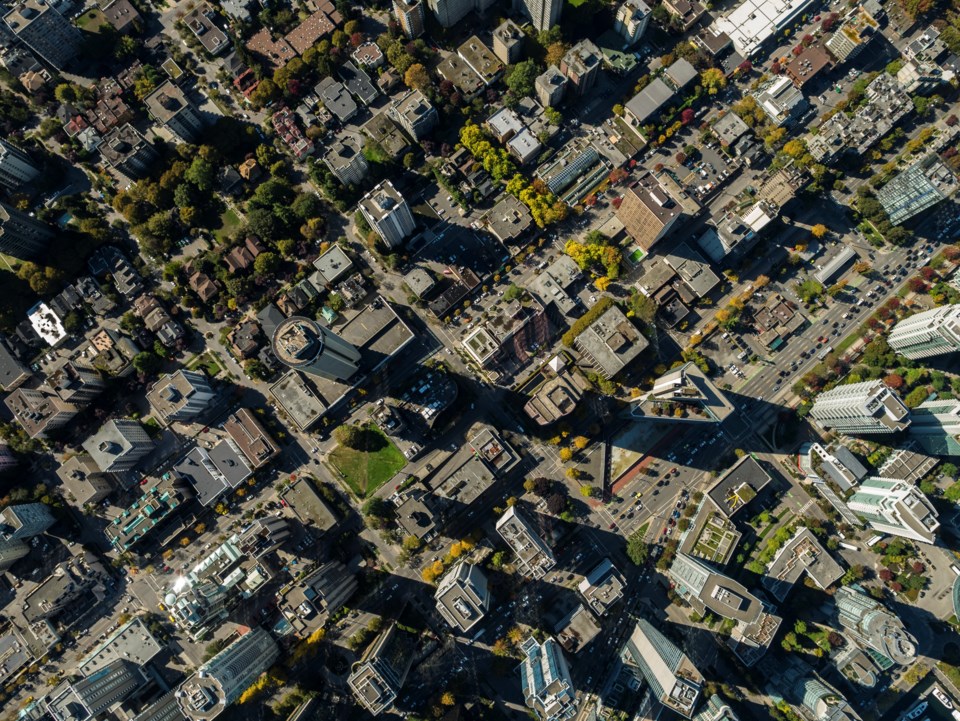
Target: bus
<point x="874" y="541"/>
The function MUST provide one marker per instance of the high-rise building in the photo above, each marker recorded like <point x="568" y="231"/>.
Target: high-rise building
<point x="853" y="35"/>
<point x="533" y="554"/>
<point x="544" y="14"/>
<point x="45" y="31"/>
<point x="896" y="507"/>
<point x="21" y="236"/>
<point x="874" y="627"/>
<point x="545" y="680"/>
<point x="551" y="86"/>
<point x="377" y="678"/>
<point x="710" y="591"/>
<point x="76" y="384"/>
<point x="119" y="445"/>
<point x="935" y="427"/>
<point x="632" y="19"/>
<point x="306" y="346"/>
<point x="648" y="211"/>
<point x="450" y="12"/>
<point x="170" y="107"/>
<point x="128" y="152"/>
<point x="180" y="396"/>
<point x="414" y="113"/>
<point x="930" y="333"/>
<point x="674" y="681"/>
<point x="508" y="41"/>
<point x="24" y="521"/>
<point x="867" y="407"/>
<point x="345" y="159"/>
<point x="7" y="459"/>
<point x="11" y="552"/>
<point x="411" y="17"/>
<point x="463" y="596"/>
<point x="39" y="412"/>
<point x="581" y="65"/>
<point x="388" y="213"/>
<point x="16" y="167"/>
<point x="220" y="681"/>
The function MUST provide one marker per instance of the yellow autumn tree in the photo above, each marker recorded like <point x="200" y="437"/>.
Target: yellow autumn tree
<point x="819" y="230"/>
<point x="602" y="283"/>
<point x="566" y="454"/>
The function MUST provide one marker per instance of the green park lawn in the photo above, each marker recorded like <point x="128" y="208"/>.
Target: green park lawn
<point x="229" y="223"/>
<point x="364" y="471"/>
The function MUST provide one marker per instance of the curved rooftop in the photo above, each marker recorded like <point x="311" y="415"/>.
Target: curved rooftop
<point x="297" y="341"/>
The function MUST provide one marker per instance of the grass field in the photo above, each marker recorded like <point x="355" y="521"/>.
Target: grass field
<point x="364" y="471"/>
<point x="230" y="222"/>
<point x="207" y="362"/>
<point x="91" y="21"/>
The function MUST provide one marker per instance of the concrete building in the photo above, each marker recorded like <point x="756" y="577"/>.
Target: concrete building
<point x="648" y="211"/>
<point x="82" y="481"/>
<point x="170" y="107"/>
<point x="802" y="555"/>
<point x="631" y="21"/>
<point x="145" y="515"/>
<point x="868" y="407"/>
<point x="411" y="17"/>
<point x="896" y="507"/>
<point x="887" y="104"/>
<point x="388" y="213"/>
<point x="874" y="627"/>
<point x="11" y="552"/>
<point x="80" y="577"/>
<point x="21" y="236"/>
<point x="180" y="396"/>
<point x="24" y="521"/>
<point x="935" y="427"/>
<point x="602" y="588"/>
<point x="220" y="681"/>
<point x="16" y="167"/>
<point x="558" y="396"/>
<point x="853" y="35"/>
<point x="13" y="373"/>
<point x="611" y="342"/>
<point x="673" y="680"/>
<point x="544" y="14"/>
<point x="119" y="445"/>
<point x="76" y="384"/>
<point x="251" y="438"/>
<point x="508" y="42"/>
<point x="751" y="23"/>
<point x="414" y="113"/>
<point x="534" y="556"/>
<point x="345" y="159"/>
<point x="7" y="459"/>
<point x="781" y="100"/>
<point x="708" y="590"/>
<point x="551" y="86"/>
<point x="581" y="65"/>
<point x="39" y="412"/>
<point x="304" y="345"/>
<point x="379" y="676"/>
<point x="128" y="152"/>
<point x="213" y="470"/>
<point x="199" y="600"/>
<point x="462" y="596"/>
<point x="929" y="333"/>
<point x="450" y="12"/>
<point x="688" y="390"/>
<point x="546" y="682"/>
<point x="45" y="31"/>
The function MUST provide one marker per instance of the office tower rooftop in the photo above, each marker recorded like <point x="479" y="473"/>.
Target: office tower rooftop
<point x="673" y="679"/>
